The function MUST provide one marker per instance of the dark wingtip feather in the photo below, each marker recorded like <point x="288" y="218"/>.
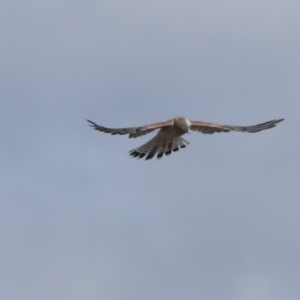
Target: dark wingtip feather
<point x="92" y="123"/>
<point x="160" y="155"/>
<point x="135" y="153"/>
<point x="266" y="125"/>
<point x="149" y="156"/>
<point x="168" y="152"/>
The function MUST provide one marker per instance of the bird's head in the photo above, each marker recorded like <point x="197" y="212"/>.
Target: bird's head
<point x="182" y="125"/>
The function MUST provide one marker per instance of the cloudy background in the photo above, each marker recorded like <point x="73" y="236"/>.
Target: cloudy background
<point x="79" y="219"/>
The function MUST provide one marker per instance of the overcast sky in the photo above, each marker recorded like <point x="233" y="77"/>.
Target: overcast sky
<point x="79" y="219"/>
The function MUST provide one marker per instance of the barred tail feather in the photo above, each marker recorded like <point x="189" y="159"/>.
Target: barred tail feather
<point x="158" y="146"/>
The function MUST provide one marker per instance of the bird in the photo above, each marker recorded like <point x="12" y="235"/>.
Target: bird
<point x="169" y="136"/>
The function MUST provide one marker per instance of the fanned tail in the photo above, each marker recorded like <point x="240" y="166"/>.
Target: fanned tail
<point x="158" y="146"/>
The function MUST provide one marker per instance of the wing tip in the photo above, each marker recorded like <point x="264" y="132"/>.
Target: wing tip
<point x="92" y="124"/>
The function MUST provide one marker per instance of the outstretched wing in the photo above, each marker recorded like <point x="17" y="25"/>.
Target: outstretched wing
<point x="210" y="128"/>
<point x="132" y="131"/>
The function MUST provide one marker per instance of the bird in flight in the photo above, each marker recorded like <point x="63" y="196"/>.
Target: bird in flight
<point x="169" y="137"/>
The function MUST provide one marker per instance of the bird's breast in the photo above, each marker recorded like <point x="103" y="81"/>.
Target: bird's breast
<point x="170" y="132"/>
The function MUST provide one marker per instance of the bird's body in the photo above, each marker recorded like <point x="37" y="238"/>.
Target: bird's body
<point x="169" y="139"/>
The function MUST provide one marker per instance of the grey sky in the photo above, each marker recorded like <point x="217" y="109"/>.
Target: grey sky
<point x="79" y="219"/>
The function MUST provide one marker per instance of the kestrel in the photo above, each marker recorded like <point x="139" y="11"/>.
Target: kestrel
<point x="169" y="139"/>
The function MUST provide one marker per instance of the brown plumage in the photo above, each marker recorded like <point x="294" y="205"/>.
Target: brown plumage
<point x="169" y="139"/>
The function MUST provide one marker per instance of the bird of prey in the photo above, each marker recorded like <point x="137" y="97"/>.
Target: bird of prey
<point x="169" y="139"/>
